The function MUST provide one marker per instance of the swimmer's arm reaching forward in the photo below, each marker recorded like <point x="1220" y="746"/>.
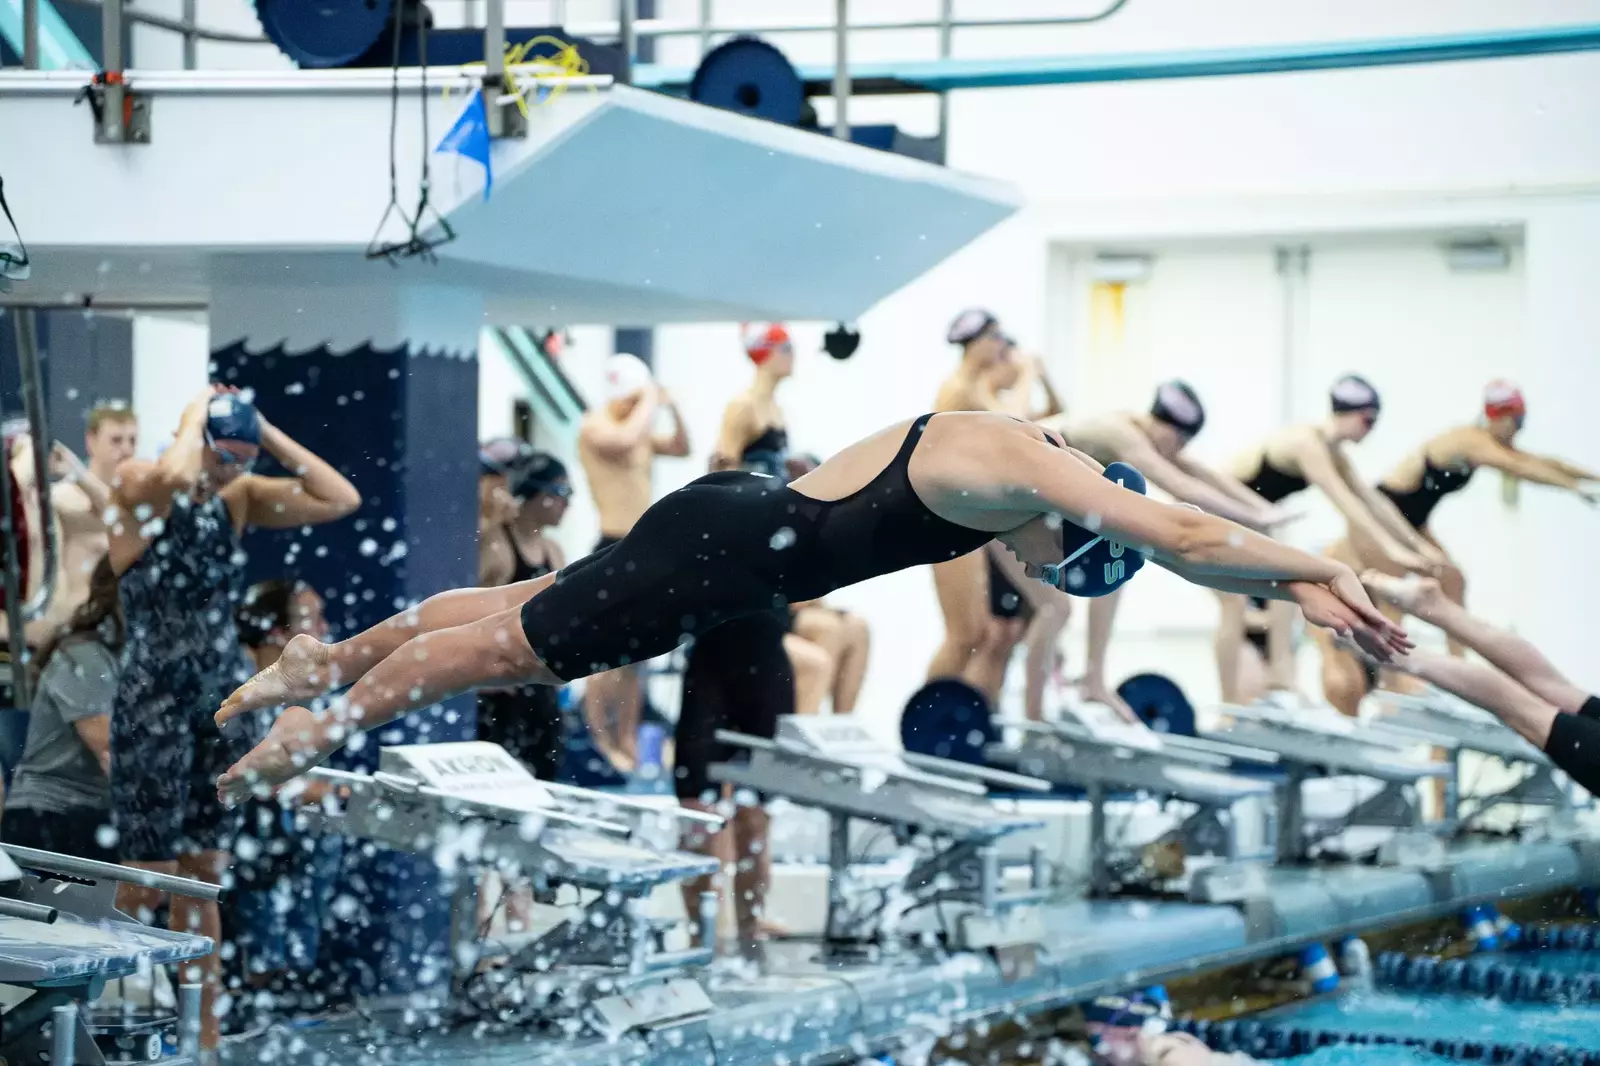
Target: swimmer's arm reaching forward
<point x="1200" y="547"/>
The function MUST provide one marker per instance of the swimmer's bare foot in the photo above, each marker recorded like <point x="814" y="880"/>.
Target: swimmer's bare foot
<point x="302" y="672"/>
<point x="1098" y="692"/>
<point x="294" y="745"/>
<point x="767" y="929"/>
<point x="1414" y="595"/>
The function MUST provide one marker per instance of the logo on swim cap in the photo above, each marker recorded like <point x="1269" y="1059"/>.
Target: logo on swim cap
<point x="761" y="339"/>
<point x="969" y="325"/>
<point x="1501" y="398"/>
<point x="1177" y="405"/>
<point x="626" y="375"/>
<point x="1353" y="393"/>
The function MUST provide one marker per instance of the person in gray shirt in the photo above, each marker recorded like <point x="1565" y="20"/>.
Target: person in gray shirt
<point x="60" y="798"/>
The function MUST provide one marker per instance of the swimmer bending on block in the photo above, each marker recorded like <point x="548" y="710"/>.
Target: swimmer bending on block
<point x="1521" y="688"/>
<point x="733" y="543"/>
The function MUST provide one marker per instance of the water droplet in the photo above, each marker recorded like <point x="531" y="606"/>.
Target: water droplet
<point x="369" y="547"/>
<point x="782" y="539"/>
<point x="294" y="388"/>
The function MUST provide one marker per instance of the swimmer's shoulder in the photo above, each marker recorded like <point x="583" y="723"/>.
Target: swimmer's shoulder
<point x="1456" y="445"/>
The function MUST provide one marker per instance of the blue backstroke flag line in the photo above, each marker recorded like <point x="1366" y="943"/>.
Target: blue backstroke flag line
<point x="469" y="137"/>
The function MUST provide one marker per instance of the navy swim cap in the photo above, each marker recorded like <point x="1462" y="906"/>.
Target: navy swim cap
<point x="1178" y="405"/>
<point x="1353" y="393"/>
<point x="539" y="472"/>
<point x="230" y="417"/>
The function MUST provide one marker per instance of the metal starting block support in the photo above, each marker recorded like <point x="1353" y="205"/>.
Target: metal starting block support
<point x="1445" y="722"/>
<point x="1122" y="757"/>
<point x="1316" y="744"/>
<point x="937" y="808"/>
<point x="62" y="936"/>
<point x="598" y="964"/>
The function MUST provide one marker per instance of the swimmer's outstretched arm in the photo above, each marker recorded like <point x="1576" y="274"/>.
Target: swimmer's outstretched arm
<point x="1202" y="547"/>
<point x="308" y="668"/>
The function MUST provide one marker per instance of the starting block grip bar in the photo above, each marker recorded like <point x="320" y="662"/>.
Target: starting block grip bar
<point x="33" y="912"/>
<point x="50" y="862"/>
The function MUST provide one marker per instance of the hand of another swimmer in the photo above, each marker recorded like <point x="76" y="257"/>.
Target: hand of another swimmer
<point x="1277" y="517"/>
<point x="65" y="464"/>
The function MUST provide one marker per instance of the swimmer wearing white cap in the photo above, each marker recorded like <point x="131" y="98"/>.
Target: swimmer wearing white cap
<point x="617" y="446"/>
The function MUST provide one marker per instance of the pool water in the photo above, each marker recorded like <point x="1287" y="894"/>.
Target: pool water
<point x="1438" y="1016"/>
<point x="1559" y="961"/>
<point x="1365" y="1056"/>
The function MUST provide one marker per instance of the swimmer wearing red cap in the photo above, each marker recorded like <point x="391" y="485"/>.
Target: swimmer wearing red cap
<point x="1406" y="499"/>
<point x="1154" y="442"/>
<point x="989" y="377"/>
<point x="731" y="544"/>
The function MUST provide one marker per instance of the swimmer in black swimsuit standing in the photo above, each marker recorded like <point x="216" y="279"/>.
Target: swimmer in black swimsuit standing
<point x="1442" y="466"/>
<point x="526" y="720"/>
<point x="1287" y="463"/>
<point x="732" y="544"/>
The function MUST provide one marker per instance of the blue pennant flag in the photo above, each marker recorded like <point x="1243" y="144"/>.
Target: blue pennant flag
<point x="469" y="137"/>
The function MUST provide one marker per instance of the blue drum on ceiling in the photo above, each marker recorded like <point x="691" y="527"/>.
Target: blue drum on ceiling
<point x="317" y="34"/>
<point x="750" y="76"/>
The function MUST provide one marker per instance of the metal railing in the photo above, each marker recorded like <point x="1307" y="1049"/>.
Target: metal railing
<point x="12" y="533"/>
<point x="115" y="14"/>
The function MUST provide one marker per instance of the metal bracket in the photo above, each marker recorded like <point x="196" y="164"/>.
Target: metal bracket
<point x="121" y="116"/>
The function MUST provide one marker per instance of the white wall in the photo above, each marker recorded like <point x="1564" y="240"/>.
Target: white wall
<point x="171" y="363"/>
<point x="1407" y="154"/>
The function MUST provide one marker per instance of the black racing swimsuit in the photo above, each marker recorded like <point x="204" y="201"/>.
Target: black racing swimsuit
<point x="1274" y="485"/>
<point x="1437" y="482"/>
<point x="727" y="545"/>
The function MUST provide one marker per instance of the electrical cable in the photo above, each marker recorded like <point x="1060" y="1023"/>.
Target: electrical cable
<point x="414" y="244"/>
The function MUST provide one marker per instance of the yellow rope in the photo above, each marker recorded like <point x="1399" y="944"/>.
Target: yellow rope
<point x="565" y="63"/>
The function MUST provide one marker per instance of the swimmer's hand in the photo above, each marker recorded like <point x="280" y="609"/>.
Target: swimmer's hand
<point x="299" y="739"/>
<point x="1277" y="517"/>
<point x="1343" y="606"/>
<point x="305" y="670"/>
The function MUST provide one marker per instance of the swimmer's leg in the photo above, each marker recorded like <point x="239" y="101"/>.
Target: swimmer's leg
<point x="854" y="653"/>
<point x="1572" y="741"/>
<point x="425" y="669"/>
<point x="1428" y="600"/>
<point x="308" y="668"/>
<point x="1280" y="647"/>
<point x="1228" y="642"/>
<point x="1102" y="620"/>
<point x="814" y="670"/>
<point x="961" y="585"/>
<point x="1484" y="686"/>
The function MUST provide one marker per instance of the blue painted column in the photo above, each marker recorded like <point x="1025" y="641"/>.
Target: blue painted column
<point x="383" y="383"/>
